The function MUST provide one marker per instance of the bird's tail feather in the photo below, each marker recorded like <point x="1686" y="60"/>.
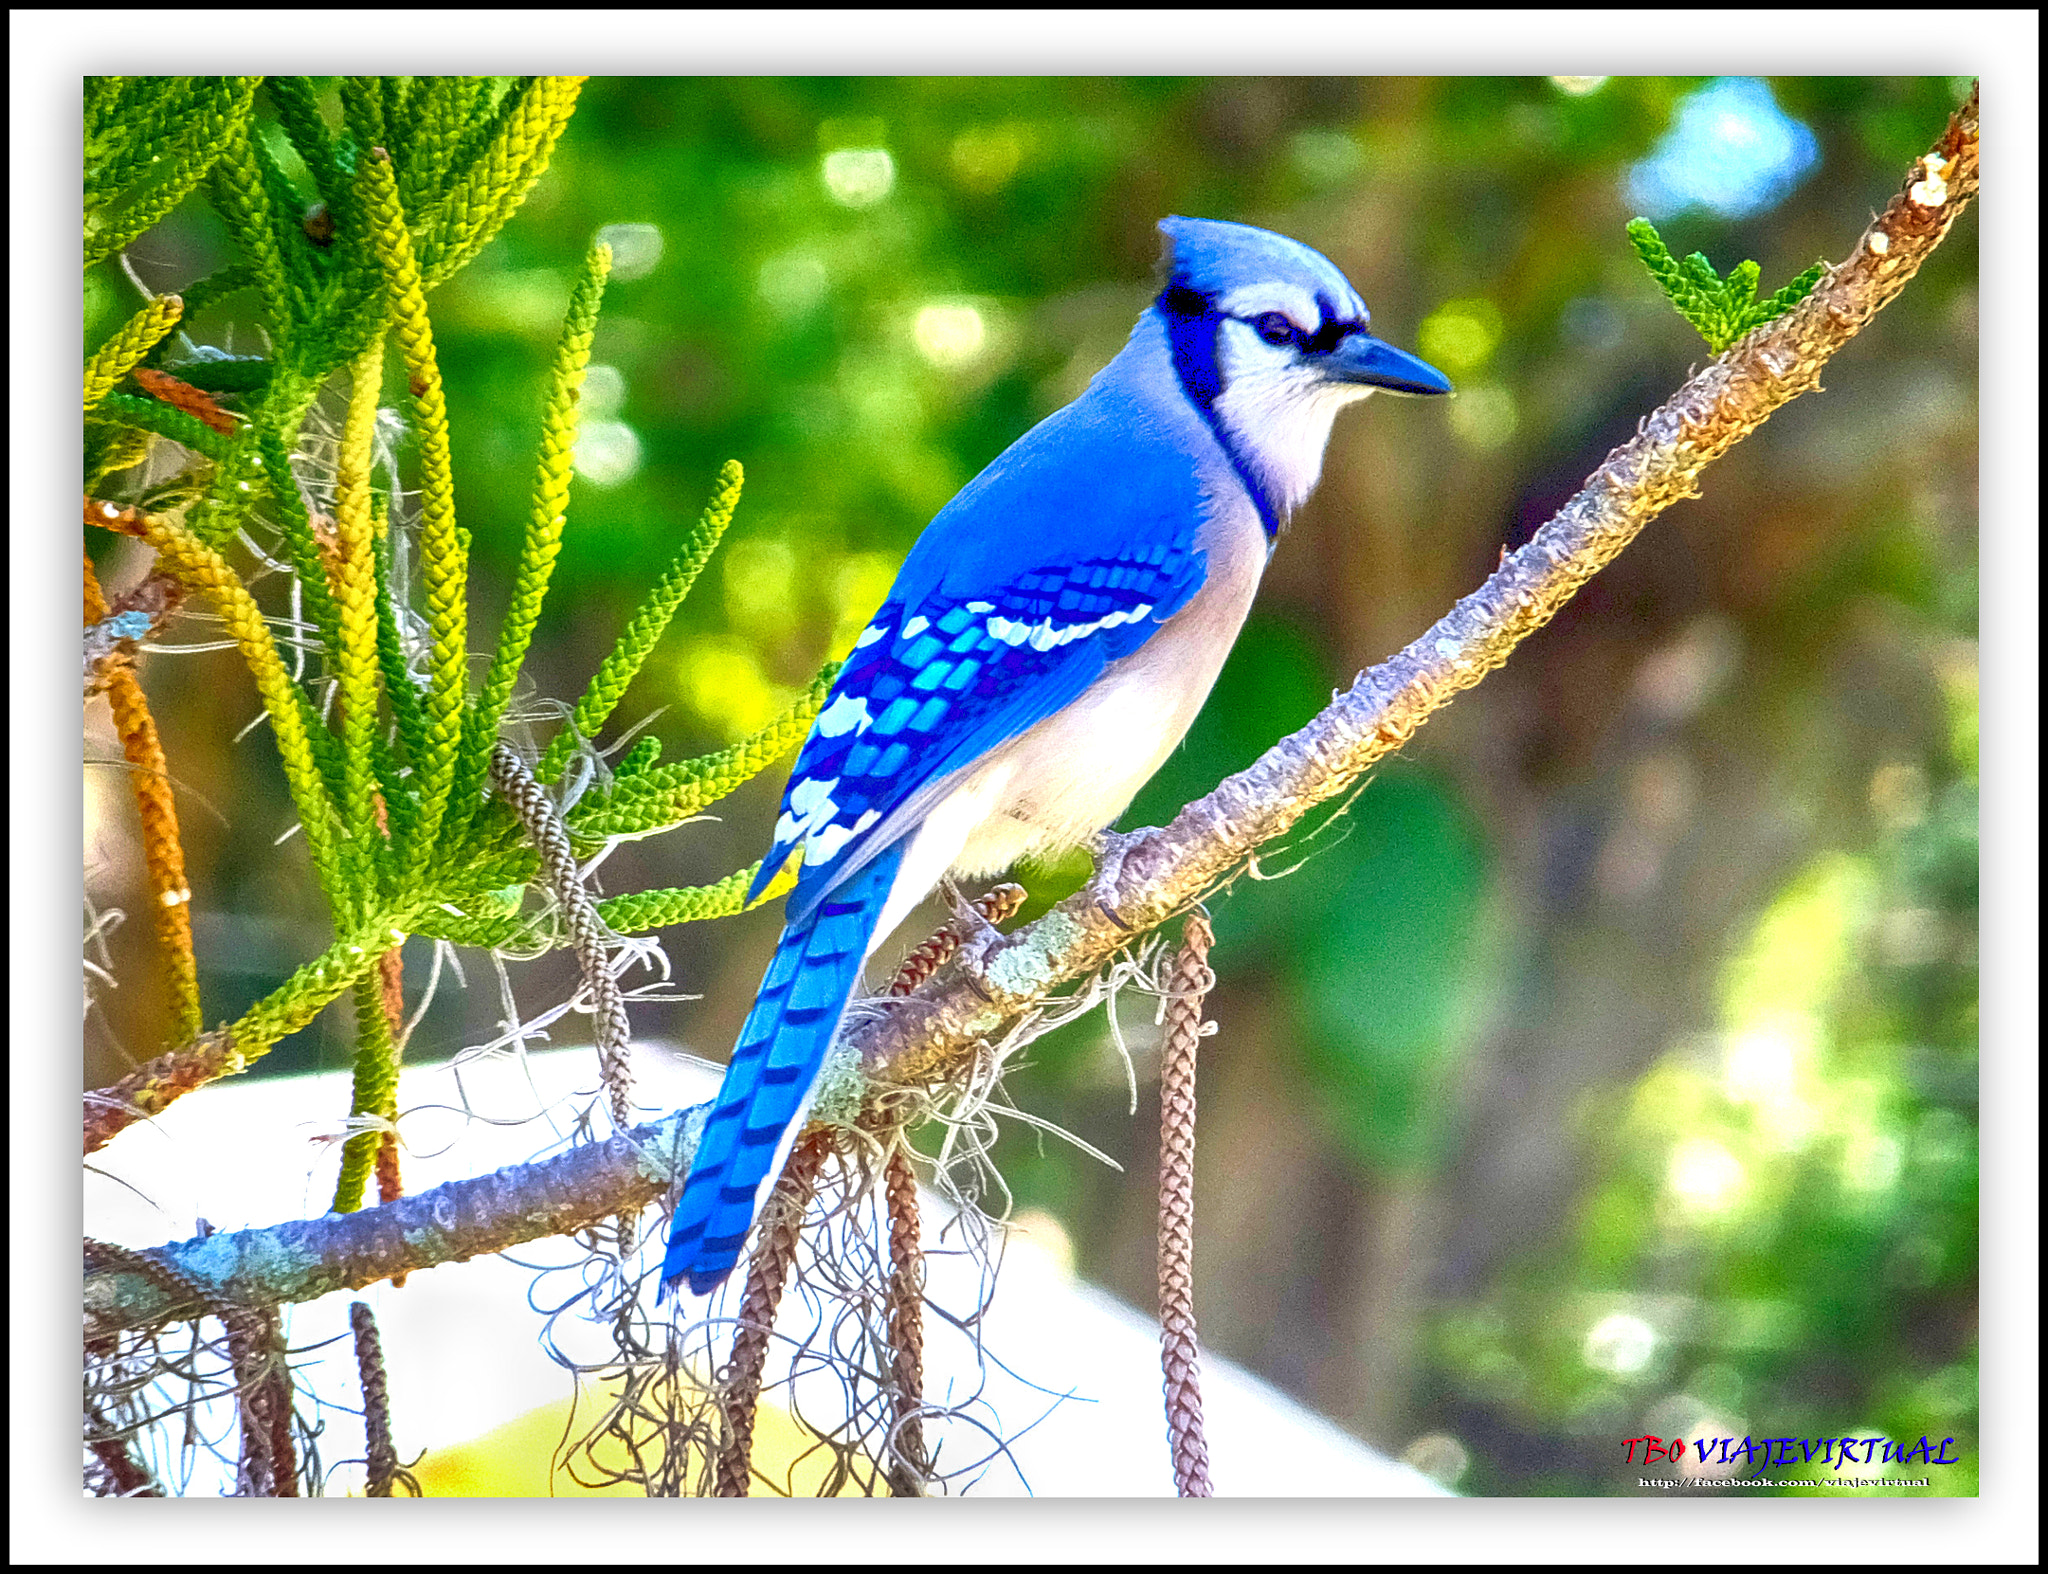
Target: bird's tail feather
<point x="768" y="1082"/>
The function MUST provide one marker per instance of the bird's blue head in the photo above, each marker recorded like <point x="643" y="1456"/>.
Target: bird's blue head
<point x="1270" y="341"/>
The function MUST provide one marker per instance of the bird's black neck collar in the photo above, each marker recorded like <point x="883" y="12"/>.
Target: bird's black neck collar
<point x="1193" y="327"/>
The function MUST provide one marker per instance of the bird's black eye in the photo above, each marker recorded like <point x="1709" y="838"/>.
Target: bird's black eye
<point x="1274" y="328"/>
<point x="1329" y="336"/>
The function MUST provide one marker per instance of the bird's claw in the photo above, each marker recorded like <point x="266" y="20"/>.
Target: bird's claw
<point x="976" y="936"/>
<point x="1109" y="848"/>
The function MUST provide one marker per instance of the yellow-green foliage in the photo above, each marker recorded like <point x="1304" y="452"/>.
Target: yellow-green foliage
<point x="618" y="668"/>
<point x="443" y="549"/>
<point x="388" y="779"/>
<point x="121" y="354"/>
<point x="1723" y="310"/>
<point x="654" y="799"/>
<point x="170" y="129"/>
<point x="544" y="521"/>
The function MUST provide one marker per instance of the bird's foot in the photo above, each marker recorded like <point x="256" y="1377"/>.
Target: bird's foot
<point x="974" y="936"/>
<point x="1109" y="849"/>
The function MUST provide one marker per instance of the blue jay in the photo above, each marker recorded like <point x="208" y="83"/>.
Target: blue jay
<point x="1046" y="645"/>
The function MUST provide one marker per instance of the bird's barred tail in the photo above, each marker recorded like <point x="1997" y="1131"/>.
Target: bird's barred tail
<point x="768" y="1083"/>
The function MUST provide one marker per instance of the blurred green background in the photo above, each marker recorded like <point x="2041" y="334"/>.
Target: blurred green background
<point x="1609" y="1066"/>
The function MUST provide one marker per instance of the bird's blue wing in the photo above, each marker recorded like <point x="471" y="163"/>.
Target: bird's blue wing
<point x="932" y="686"/>
<point x="1067" y="552"/>
<point x="935" y="685"/>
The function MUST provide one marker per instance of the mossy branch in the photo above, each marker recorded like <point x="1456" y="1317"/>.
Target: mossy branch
<point x="154" y="1086"/>
<point x="362" y="113"/>
<point x="295" y="524"/>
<point x="375" y="1097"/>
<point x="243" y="202"/>
<point x="111" y="104"/>
<point x="399" y="684"/>
<point x="299" y="117"/>
<point x="442" y="113"/>
<point x="216" y="286"/>
<point x="176" y="125"/>
<point x="489" y="917"/>
<point x="163" y="420"/>
<point x="638" y="912"/>
<point x="491" y="191"/>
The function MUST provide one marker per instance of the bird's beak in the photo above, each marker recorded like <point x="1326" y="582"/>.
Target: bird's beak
<point x="1360" y="358"/>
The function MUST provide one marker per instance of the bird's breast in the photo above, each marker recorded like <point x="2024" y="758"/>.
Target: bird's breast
<point x="1058" y="783"/>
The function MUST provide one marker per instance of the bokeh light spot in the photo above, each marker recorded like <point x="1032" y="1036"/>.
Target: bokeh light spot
<point x="949" y="335"/>
<point x="862" y="580"/>
<point x="1872" y="1161"/>
<point x="1439" y="1456"/>
<point x="608" y="453"/>
<point x="1039" y="1231"/>
<point x="1324" y="157"/>
<point x="985" y="157"/>
<point x="722" y="682"/>
<point x="1620" y="1344"/>
<point x="1731" y="150"/>
<point x="760" y="586"/>
<point x="1461" y="336"/>
<point x="1483" y="416"/>
<point x="792" y="283"/>
<point x="1705" y="1177"/>
<point x="636" y="249"/>
<point x="604" y="392"/>
<point x="859" y="177"/>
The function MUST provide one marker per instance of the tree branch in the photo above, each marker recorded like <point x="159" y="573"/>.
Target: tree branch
<point x="1160" y="872"/>
<point x="1163" y="872"/>
<point x="309" y="1258"/>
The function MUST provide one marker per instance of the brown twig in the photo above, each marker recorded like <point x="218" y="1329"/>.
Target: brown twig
<point x="391" y="990"/>
<point x="124" y="1474"/>
<point x="181" y="395"/>
<point x="163" y="851"/>
<point x="113" y="633"/>
<point x="380" y="1458"/>
<point x="1180" y="1353"/>
<point x="122" y="519"/>
<point x="994" y="905"/>
<point x="256" y="1355"/>
<point x="529" y="800"/>
<point x="155" y="1085"/>
<point x="263" y="1386"/>
<point x="767" y="1275"/>
<point x="910" y="1466"/>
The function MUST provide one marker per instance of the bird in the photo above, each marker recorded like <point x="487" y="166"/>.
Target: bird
<point x="1043" y="649"/>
